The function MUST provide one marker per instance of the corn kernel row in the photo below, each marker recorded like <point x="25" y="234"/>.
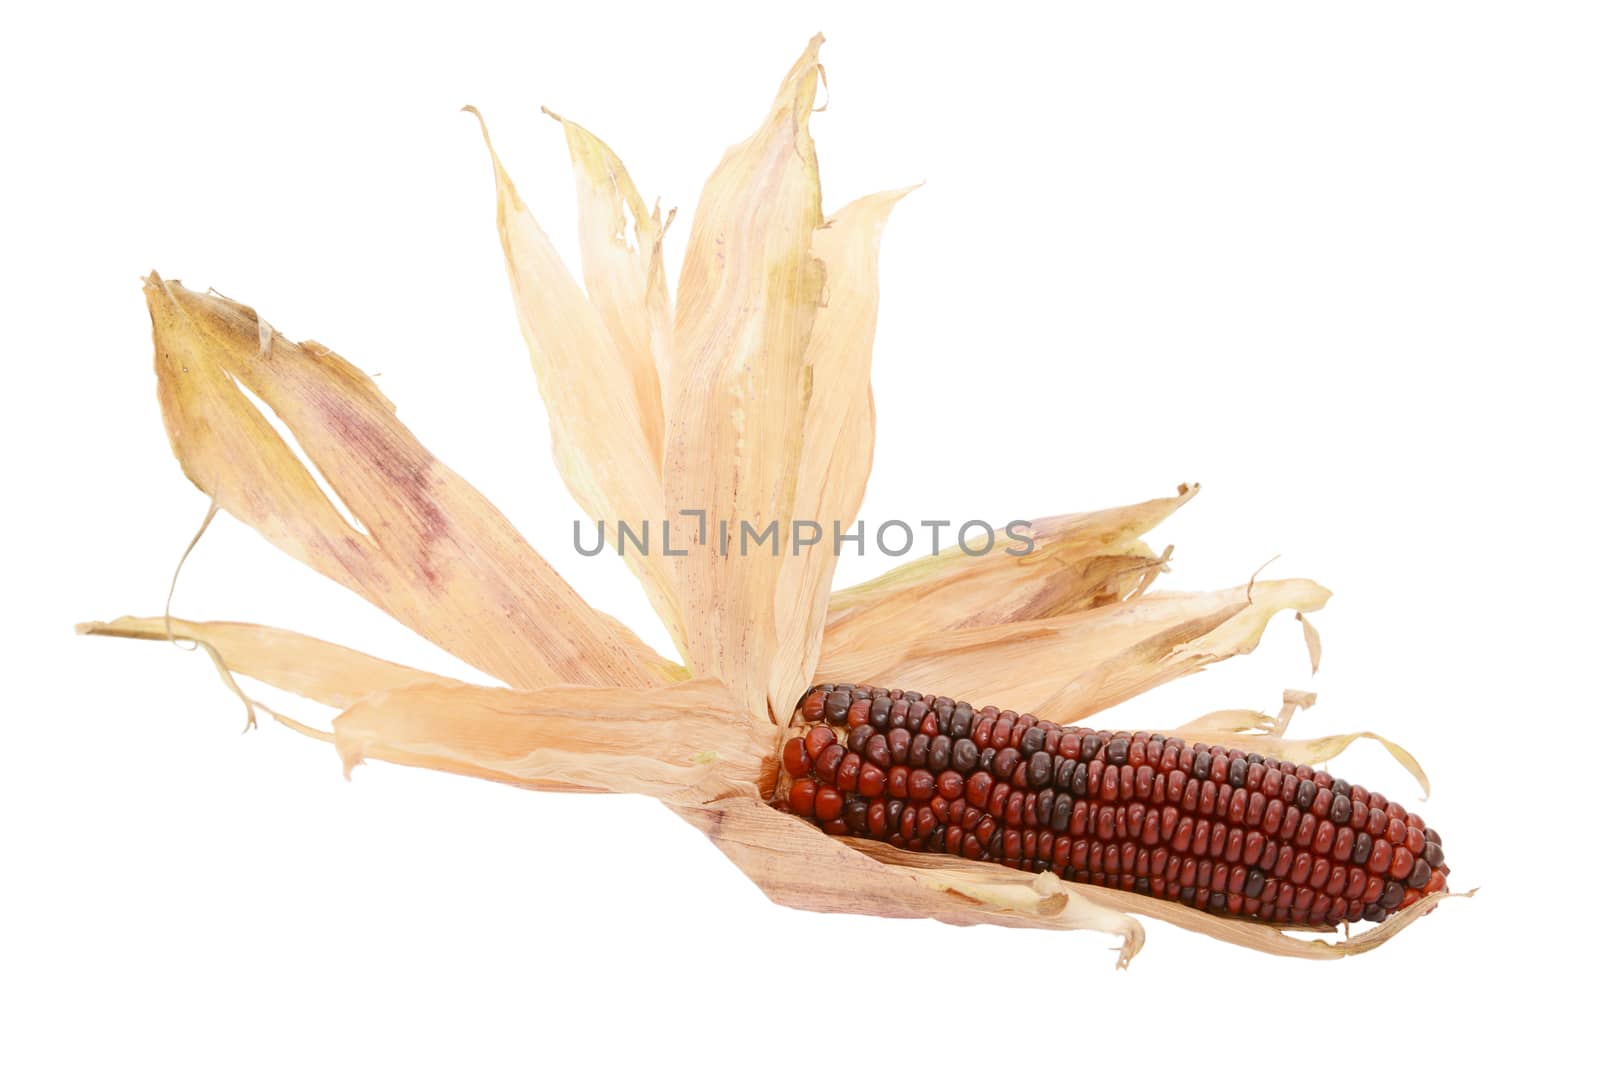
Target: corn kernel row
<point x="1213" y="827"/>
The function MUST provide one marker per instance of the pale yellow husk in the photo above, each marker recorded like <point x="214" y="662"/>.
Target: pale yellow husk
<point x="1257" y="731"/>
<point x="836" y="449"/>
<point x="1076" y="562"/>
<point x="1066" y="667"/>
<point x="596" y="373"/>
<point x="318" y="670"/>
<point x="750" y="398"/>
<point x="739" y="388"/>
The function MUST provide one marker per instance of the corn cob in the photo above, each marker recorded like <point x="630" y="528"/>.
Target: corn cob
<point x="1216" y="828"/>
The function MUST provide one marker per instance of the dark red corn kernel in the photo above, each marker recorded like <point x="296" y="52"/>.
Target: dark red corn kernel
<point x="827" y="765"/>
<point x="1039" y="769"/>
<point x="1401" y="867"/>
<point x="1254" y="773"/>
<point x="1238" y="773"/>
<point x="1061" y="814"/>
<point x="855" y="816"/>
<point x="1220" y="828"/>
<point x="997" y="800"/>
<point x="1363" y="848"/>
<point x="846" y="777"/>
<point x="1322" y="803"/>
<point x="961" y="720"/>
<point x="857" y="715"/>
<point x="899" y="746"/>
<point x="1064" y="769"/>
<point x="817" y="739"/>
<point x="811" y="705"/>
<point x="795" y="760"/>
<point x="908" y="823"/>
<point x="1291" y="823"/>
<point x="916" y="711"/>
<point x="1382" y="856"/>
<point x="978" y="787"/>
<point x="878" y="819"/>
<point x="829" y="803"/>
<point x="802" y="797"/>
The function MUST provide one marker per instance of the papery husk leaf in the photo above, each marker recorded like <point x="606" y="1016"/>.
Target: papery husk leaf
<point x="1252" y="934"/>
<point x="319" y="670"/>
<point x="1256" y="731"/>
<point x="685" y="744"/>
<point x="837" y="446"/>
<point x="795" y="864"/>
<point x="1065" y="668"/>
<point x="1077" y="562"/>
<point x="738" y="392"/>
<point x="626" y="281"/>
<point x="604" y="404"/>
<point x="424" y="545"/>
<point x="1313" y="642"/>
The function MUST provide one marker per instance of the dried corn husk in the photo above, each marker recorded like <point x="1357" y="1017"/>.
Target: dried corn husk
<point x="749" y="398"/>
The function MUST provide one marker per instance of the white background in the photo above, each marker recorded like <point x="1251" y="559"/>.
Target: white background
<point x="1337" y="263"/>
